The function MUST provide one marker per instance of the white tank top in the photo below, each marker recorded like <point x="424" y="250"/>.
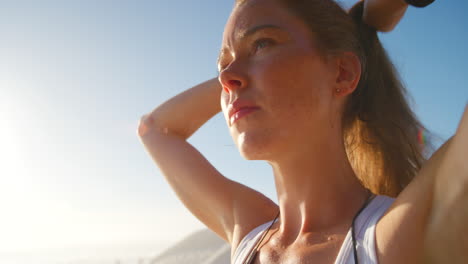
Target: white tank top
<point x="364" y="231"/>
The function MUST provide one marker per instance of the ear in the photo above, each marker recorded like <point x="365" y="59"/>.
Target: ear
<point x="348" y="73"/>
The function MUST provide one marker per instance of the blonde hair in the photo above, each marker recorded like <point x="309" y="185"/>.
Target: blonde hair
<point x="380" y="130"/>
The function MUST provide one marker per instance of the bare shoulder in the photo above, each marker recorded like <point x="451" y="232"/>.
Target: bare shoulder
<point x="252" y="210"/>
<point x="400" y="232"/>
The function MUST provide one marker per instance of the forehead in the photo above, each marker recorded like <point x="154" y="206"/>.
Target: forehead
<point x="253" y="13"/>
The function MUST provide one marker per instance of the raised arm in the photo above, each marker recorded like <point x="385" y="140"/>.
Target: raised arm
<point x="228" y="208"/>
<point x="183" y="114"/>
<point x="384" y="15"/>
<point x="446" y="240"/>
<point x="427" y="221"/>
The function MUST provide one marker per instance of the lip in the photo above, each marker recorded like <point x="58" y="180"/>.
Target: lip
<point x="240" y="108"/>
<point x="239" y="114"/>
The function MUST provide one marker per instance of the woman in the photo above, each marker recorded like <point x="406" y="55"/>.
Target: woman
<point x="308" y="88"/>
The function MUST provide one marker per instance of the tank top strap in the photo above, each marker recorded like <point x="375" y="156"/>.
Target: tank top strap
<point x="248" y="242"/>
<point x="365" y="233"/>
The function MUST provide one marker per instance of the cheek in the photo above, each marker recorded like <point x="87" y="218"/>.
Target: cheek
<point x="291" y="81"/>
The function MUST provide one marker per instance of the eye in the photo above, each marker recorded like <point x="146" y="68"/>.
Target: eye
<point x="262" y="43"/>
<point x="257" y="45"/>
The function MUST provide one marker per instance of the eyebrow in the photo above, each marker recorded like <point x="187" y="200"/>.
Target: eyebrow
<point x="246" y="34"/>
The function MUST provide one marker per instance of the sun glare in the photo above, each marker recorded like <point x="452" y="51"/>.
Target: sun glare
<point x="13" y="174"/>
<point x="20" y="209"/>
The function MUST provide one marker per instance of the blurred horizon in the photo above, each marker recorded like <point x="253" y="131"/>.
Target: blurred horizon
<point x="76" y="76"/>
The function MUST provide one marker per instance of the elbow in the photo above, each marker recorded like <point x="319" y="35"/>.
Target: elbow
<point x="145" y="124"/>
<point x="380" y="24"/>
<point x="149" y="124"/>
<point x="384" y="16"/>
<point x="387" y="28"/>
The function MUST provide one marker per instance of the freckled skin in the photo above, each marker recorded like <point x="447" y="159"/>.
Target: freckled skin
<point x="288" y="80"/>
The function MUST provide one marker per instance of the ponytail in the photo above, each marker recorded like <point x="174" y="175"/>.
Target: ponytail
<point x="381" y="131"/>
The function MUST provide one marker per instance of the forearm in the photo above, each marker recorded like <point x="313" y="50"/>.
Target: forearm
<point x="446" y="240"/>
<point x="183" y="114"/>
<point x="383" y="15"/>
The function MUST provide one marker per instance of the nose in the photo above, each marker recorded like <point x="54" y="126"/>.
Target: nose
<point x="232" y="78"/>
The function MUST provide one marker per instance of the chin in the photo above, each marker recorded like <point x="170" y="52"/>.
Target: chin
<point x="254" y="146"/>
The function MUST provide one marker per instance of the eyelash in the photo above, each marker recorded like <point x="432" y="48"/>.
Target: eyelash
<point x="255" y="47"/>
<point x="262" y="40"/>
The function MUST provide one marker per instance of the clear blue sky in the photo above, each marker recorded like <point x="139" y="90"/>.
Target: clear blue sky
<point x="76" y="76"/>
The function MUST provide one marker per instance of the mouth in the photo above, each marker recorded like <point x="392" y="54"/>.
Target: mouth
<point x="241" y="113"/>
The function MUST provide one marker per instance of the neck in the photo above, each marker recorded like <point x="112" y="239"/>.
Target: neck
<point x="317" y="189"/>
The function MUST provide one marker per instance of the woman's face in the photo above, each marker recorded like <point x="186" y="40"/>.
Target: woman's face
<point x="269" y="61"/>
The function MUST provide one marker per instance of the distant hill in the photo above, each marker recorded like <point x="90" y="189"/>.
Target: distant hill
<point x="201" y="247"/>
